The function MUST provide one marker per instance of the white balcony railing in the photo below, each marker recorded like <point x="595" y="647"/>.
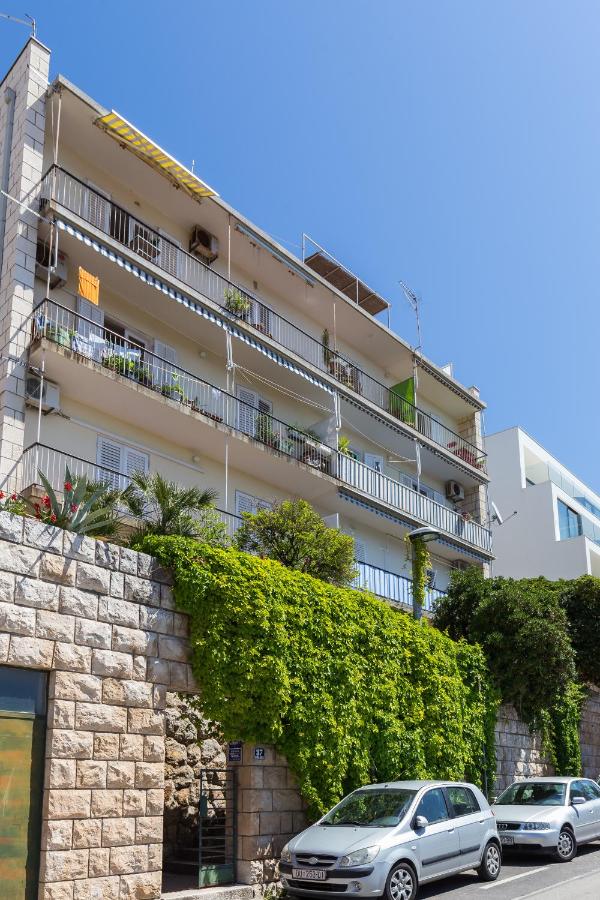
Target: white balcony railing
<point x="391" y="586"/>
<point x="122" y="226"/>
<point x="88" y="340"/>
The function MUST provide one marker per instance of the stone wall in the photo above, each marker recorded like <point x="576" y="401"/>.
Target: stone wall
<point x="100" y="619"/>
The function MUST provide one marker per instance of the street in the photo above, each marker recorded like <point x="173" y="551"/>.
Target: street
<point x="524" y="877"/>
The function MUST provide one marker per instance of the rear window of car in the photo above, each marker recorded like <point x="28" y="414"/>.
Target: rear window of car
<point x="463" y="800"/>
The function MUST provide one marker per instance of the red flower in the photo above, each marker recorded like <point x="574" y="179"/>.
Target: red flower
<point x="53" y="518"/>
<point x="36" y="506"/>
<point x="37" y="515"/>
<point x="13" y="496"/>
<point x="46" y="501"/>
<point x="74" y="507"/>
<point x="1" y="495"/>
<point x="68" y="486"/>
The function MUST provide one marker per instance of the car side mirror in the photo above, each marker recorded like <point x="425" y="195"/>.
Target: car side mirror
<point x="577" y="801"/>
<point x="421" y="822"/>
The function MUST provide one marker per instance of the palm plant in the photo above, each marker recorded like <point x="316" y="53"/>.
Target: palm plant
<point x="164" y="507"/>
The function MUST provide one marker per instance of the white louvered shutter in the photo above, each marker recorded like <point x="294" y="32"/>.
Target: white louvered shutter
<point x="244" y="503"/>
<point x="135" y="461"/>
<point x="168" y="253"/>
<point x="359" y="549"/>
<point x="90" y="328"/>
<point x="247" y="410"/>
<point x="96" y="208"/>
<point x="109" y="455"/>
<point x="162" y="373"/>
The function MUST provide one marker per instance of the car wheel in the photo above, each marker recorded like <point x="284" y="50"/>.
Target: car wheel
<point x="491" y="862"/>
<point x="401" y="883"/>
<point x="566" y="847"/>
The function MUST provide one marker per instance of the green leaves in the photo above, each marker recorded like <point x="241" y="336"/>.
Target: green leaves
<point x="86" y="508"/>
<point x="349" y="689"/>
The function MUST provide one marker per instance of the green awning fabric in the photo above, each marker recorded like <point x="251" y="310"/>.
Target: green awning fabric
<point x="402" y="401"/>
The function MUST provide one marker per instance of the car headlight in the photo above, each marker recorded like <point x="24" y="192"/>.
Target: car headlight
<point x="359" y="857"/>
<point x="286" y="855"/>
<point x="536" y="826"/>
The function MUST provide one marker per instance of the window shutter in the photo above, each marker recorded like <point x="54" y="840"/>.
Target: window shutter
<point x="168" y="253"/>
<point x="135" y="461"/>
<point x="109" y="455"/>
<point x="247" y="410"/>
<point x="265" y="406"/>
<point x="162" y="373"/>
<point x="244" y="503"/>
<point x="97" y="208"/>
<point x="359" y="547"/>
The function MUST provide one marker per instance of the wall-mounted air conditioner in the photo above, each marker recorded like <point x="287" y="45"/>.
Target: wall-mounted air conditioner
<point x="455" y="491"/>
<point x="50" y="393"/>
<point x="204" y="244"/>
<point x="58" y="274"/>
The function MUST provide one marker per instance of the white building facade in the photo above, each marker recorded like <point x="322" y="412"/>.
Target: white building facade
<point x="556" y="531"/>
<point x="207" y="351"/>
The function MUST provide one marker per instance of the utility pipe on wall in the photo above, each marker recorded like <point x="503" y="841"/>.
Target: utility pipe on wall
<point x="9" y="98"/>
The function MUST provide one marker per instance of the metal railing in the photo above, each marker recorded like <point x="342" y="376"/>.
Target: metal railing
<point x="391" y="586"/>
<point x="134" y="362"/>
<point x="98" y="210"/>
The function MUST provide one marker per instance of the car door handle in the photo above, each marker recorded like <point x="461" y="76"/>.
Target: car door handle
<point x="450" y="830"/>
<point x="481" y="821"/>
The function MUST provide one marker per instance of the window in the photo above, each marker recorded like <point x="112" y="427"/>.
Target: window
<point x="249" y="410"/>
<point x="118" y="462"/>
<point x="96" y="207"/>
<point x="569" y="522"/>
<point x="433" y="806"/>
<point x="246" y="503"/>
<point x="371" y="808"/>
<point x="533" y="793"/>
<point x="463" y="801"/>
<point x="590" y="790"/>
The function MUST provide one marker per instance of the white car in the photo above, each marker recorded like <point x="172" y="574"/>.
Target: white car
<point x="551" y="814"/>
<point x="386" y="839"/>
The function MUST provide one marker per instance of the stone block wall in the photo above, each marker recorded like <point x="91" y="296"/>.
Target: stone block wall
<point x="100" y="619"/>
<point x="590" y="735"/>
<point x="270" y="812"/>
<point x="519" y="753"/>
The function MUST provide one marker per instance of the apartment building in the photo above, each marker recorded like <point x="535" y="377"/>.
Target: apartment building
<point x="556" y="529"/>
<point x="148" y="325"/>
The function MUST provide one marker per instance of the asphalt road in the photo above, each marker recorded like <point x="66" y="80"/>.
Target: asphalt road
<point x="524" y="877"/>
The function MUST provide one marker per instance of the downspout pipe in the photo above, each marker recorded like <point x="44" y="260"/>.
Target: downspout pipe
<point x="9" y="99"/>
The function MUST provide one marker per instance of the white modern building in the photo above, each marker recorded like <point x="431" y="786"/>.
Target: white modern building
<point x="174" y="335"/>
<point x="556" y="531"/>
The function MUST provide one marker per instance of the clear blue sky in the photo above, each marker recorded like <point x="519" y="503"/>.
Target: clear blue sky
<point x="455" y="145"/>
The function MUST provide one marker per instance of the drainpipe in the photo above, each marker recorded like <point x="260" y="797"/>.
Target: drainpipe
<point x="9" y="99"/>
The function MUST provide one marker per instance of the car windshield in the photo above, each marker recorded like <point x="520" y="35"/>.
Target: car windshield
<point x="533" y="793"/>
<point x="375" y="808"/>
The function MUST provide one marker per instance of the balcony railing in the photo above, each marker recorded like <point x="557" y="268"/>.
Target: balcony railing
<point x="128" y="359"/>
<point x="391" y="586"/>
<point x="96" y="209"/>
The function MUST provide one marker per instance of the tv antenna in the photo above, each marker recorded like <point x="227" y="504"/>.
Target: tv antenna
<point x="28" y="20"/>
<point x="415" y="302"/>
<point x="497" y="516"/>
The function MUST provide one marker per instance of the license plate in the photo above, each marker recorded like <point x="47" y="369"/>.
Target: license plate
<point x="310" y="874"/>
<point x="507" y="839"/>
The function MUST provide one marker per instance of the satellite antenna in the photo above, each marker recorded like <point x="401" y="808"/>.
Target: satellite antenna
<point x="497" y="516"/>
<point x="414" y="301"/>
<point x="28" y="20"/>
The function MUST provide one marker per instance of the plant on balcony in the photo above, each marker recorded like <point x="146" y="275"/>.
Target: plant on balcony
<point x="12" y="503"/>
<point x="296" y="536"/>
<point x="87" y="507"/>
<point x="58" y="334"/>
<point x="173" y="391"/>
<point x="237" y="303"/>
<point x="344" y="445"/>
<point x="120" y="364"/>
<point x="164" y="507"/>
<point x="264" y="432"/>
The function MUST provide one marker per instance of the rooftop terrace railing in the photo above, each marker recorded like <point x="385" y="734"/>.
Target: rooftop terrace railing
<point x="112" y="351"/>
<point x="151" y="245"/>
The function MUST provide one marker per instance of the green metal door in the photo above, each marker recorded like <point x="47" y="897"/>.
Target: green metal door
<point x="217" y="826"/>
<point x="22" y="743"/>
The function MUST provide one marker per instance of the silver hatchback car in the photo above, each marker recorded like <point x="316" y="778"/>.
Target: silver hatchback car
<point x="549" y="814"/>
<point x="386" y="839"/>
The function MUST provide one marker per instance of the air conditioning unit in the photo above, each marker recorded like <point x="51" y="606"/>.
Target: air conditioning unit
<point x="204" y="244"/>
<point x="50" y="393"/>
<point x="58" y="275"/>
<point x="455" y="491"/>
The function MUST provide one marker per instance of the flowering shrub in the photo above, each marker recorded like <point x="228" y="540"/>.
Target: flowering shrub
<point x="86" y="507"/>
<point x="12" y="503"/>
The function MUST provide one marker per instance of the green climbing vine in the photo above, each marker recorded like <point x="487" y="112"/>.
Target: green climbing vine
<point x="349" y="689"/>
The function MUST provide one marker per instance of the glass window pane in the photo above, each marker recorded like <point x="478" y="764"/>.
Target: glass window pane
<point x="433" y="806"/>
<point x="22" y="690"/>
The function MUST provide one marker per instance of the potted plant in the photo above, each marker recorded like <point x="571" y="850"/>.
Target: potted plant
<point x="344" y="445"/>
<point x="118" y="363"/>
<point x="264" y="431"/>
<point x="237" y="303"/>
<point x="58" y="335"/>
<point x="173" y="391"/>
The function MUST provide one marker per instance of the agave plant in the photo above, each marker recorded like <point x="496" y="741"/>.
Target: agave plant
<point x="87" y="507"/>
<point x="164" y="507"/>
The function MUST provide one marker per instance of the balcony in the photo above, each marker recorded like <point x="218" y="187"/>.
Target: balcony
<point x="53" y="463"/>
<point x="76" y="197"/>
<point x="83" y="340"/>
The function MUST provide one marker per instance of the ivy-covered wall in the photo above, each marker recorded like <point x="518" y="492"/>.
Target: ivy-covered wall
<point x="348" y="689"/>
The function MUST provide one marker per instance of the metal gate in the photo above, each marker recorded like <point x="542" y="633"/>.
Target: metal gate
<point x="217" y="826"/>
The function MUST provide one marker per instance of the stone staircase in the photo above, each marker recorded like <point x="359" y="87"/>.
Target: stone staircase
<point x="221" y="892"/>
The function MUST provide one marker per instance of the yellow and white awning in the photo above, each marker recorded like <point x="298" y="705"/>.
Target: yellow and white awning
<point x="132" y="138"/>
